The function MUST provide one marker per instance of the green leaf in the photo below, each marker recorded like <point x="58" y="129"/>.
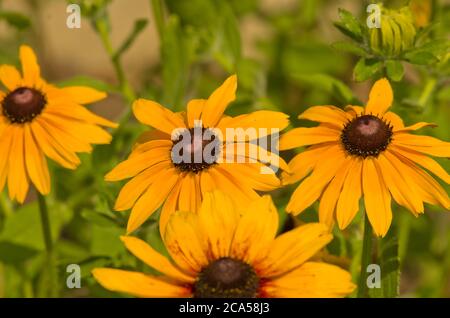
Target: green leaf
<point x="366" y="68"/>
<point x="98" y="218"/>
<point x="11" y="253"/>
<point x="390" y="268"/>
<point x="329" y="84"/>
<point x="395" y="70"/>
<point x="15" y="19"/>
<point x="229" y="49"/>
<point x="421" y="58"/>
<point x="349" y="47"/>
<point x="349" y="25"/>
<point x="139" y="26"/>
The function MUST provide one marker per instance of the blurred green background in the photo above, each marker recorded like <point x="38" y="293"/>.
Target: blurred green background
<point x="286" y="58"/>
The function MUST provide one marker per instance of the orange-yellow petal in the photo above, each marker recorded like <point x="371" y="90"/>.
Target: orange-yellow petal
<point x="30" y="66"/>
<point x="380" y="98"/>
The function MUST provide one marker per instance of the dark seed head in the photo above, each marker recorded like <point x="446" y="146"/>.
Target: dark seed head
<point x="227" y="278"/>
<point x="23" y="104"/>
<point x="366" y="136"/>
<point x="195" y="149"/>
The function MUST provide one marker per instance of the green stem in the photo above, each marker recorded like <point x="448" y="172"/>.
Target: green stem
<point x="427" y="92"/>
<point x="366" y="258"/>
<point x="46" y="229"/>
<point x="158" y="15"/>
<point x="124" y="85"/>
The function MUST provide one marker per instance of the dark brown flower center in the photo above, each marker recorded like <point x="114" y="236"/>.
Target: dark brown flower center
<point x="227" y="278"/>
<point x="366" y="136"/>
<point x="195" y="149"/>
<point x="23" y="104"/>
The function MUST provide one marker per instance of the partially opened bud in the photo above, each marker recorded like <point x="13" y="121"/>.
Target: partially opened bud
<point x="396" y="33"/>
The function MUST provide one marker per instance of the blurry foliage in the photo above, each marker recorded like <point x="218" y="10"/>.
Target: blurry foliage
<point x="296" y="67"/>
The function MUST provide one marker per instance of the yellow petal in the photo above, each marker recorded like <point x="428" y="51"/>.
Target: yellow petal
<point x="311" y="188"/>
<point x="230" y="183"/>
<point x="83" y="94"/>
<point x="376" y="198"/>
<point x="194" y="111"/>
<point x="52" y="148"/>
<point x="183" y="241"/>
<point x="253" y="175"/>
<point x="326" y="114"/>
<point x="77" y="112"/>
<point x="424" y="144"/>
<point x="152" y="198"/>
<point x="189" y="193"/>
<point x="218" y="219"/>
<point x="293" y="248"/>
<point x="348" y="203"/>
<point x="218" y="102"/>
<point x="10" y="77"/>
<point x="331" y="194"/>
<point x="302" y="164"/>
<point x="397" y="184"/>
<point x="36" y="163"/>
<point x="298" y="137"/>
<point x="416" y="126"/>
<point x="134" y="188"/>
<point x="311" y="280"/>
<point x="354" y="111"/>
<point x="255" y="231"/>
<point x="380" y="98"/>
<point x="5" y="144"/>
<point x="30" y="66"/>
<point x="394" y="120"/>
<point x="138" y="284"/>
<point x="169" y="208"/>
<point x="426" y="162"/>
<point x="17" y="177"/>
<point x="153" y="114"/>
<point x="137" y="163"/>
<point x="152" y="258"/>
<point x="265" y="122"/>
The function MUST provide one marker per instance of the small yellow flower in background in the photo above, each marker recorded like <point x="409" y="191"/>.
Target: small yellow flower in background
<point x="159" y="180"/>
<point x="39" y="120"/>
<point x="364" y="152"/>
<point x="225" y="252"/>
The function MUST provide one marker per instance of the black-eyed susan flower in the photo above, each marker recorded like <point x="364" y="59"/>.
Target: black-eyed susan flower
<point x="364" y="152"/>
<point x="39" y="120"/>
<point x="222" y="251"/>
<point x="161" y="178"/>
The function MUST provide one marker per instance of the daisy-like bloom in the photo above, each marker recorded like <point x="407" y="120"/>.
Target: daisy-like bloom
<point x="364" y="152"/>
<point x="39" y="120"/>
<point x="159" y="180"/>
<point x="221" y="251"/>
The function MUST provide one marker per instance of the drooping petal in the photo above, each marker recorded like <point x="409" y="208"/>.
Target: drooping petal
<point x="380" y="98"/>
<point x="36" y="163"/>
<point x="348" y="203"/>
<point x="376" y="198"/>
<point x="331" y="194"/>
<point x="311" y="188"/>
<point x="17" y="176"/>
<point x="424" y="144"/>
<point x="152" y="198"/>
<point x="416" y="126"/>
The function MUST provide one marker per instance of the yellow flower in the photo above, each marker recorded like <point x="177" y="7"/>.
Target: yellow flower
<point x="221" y="251"/>
<point x="39" y="120"/>
<point x="158" y="179"/>
<point x="364" y="152"/>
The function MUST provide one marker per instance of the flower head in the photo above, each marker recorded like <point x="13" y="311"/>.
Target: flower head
<point x="225" y="252"/>
<point x="169" y="168"/>
<point x="364" y="152"/>
<point x="39" y="120"/>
